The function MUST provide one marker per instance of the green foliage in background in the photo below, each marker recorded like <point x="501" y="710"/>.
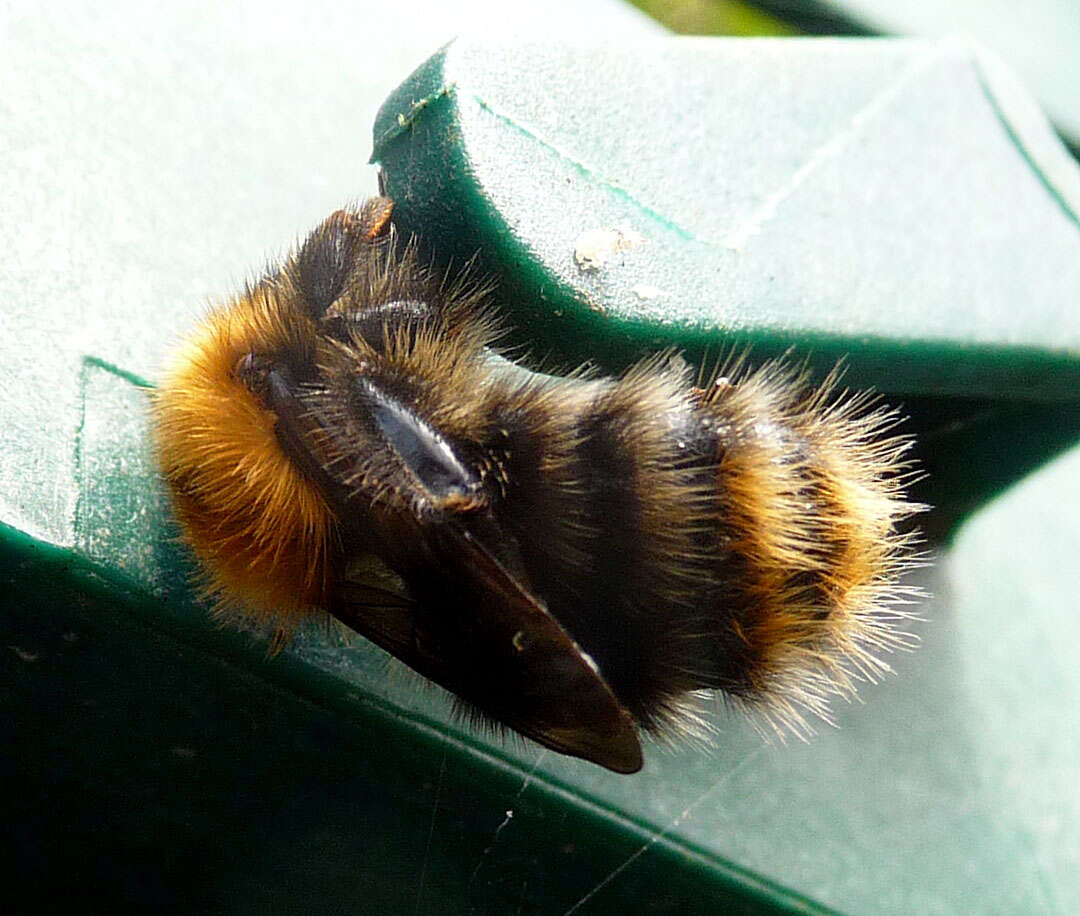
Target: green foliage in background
<point x="713" y="17"/>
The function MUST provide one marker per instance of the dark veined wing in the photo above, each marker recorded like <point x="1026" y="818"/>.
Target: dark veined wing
<point x="504" y="654"/>
<point x="459" y="617"/>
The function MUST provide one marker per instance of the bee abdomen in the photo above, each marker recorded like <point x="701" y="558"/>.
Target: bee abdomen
<point x="809" y="485"/>
<point x="742" y="538"/>
<point x="611" y="505"/>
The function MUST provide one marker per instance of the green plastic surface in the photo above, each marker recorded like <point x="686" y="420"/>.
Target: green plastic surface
<point x="900" y="205"/>
<point x="1040" y="38"/>
<point x="154" y="760"/>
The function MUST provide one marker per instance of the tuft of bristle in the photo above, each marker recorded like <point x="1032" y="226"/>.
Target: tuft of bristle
<point x="813" y="495"/>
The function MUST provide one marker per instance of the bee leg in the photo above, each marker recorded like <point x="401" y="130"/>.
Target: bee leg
<point x="374" y="218"/>
<point x="323" y="263"/>
<point x="377" y="324"/>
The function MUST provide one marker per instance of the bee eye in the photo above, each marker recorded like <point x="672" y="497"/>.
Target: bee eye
<point x="250" y="371"/>
<point x="255" y="371"/>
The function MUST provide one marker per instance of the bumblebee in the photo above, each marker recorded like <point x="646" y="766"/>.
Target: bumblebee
<point x="574" y="557"/>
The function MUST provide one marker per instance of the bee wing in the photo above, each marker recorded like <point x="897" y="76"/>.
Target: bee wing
<point x="465" y="620"/>
<point x="507" y="656"/>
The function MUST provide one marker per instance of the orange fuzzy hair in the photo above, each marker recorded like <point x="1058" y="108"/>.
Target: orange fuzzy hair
<point x="819" y="533"/>
<point x="260" y="528"/>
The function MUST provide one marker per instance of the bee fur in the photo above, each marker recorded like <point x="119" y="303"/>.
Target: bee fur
<point x="575" y="557"/>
